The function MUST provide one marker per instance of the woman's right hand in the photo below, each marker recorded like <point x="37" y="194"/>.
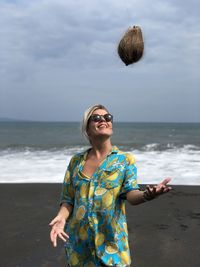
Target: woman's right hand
<point x="58" y="224"/>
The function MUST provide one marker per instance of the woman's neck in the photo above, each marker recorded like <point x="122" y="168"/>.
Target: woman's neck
<point x="101" y="149"/>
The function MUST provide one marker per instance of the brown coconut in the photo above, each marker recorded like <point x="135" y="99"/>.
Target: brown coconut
<point x="131" y="46"/>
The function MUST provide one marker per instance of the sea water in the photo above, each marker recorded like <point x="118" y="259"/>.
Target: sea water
<point x="39" y="152"/>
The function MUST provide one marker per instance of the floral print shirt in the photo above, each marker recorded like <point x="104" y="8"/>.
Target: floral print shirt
<point x="97" y="226"/>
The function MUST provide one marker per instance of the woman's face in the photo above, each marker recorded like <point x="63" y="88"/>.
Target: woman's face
<point x="100" y="128"/>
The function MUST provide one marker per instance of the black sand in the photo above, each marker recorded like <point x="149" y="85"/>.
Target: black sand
<point x="162" y="233"/>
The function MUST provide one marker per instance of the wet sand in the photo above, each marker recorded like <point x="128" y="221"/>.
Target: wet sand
<point x="162" y="233"/>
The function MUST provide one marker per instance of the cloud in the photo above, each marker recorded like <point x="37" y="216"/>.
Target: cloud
<point x="74" y="44"/>
<point x="87" y="31"/>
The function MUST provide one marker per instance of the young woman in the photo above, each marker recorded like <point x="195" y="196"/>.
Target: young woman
<point x="92" y="220"/>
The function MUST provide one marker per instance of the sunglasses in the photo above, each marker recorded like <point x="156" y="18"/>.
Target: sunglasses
<point x="97" y="118"/>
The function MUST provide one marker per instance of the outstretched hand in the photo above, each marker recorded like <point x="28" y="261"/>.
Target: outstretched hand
<point x="58" y="224"/>
<point x="154" y="191"/>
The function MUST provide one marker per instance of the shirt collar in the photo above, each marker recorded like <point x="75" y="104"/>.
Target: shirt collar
<point x="114" y="150"/>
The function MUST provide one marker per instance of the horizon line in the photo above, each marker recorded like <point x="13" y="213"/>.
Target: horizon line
<point x="75" y="121"/>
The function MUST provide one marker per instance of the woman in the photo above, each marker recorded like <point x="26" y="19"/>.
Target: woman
<point x="96" y="185"/>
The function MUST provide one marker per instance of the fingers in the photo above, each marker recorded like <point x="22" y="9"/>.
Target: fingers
<point x="57" y="232"/>
<point x="55" y="220"/>
<point x="165" y="181"/>
<point x="63" y="236"/>
<point x="55" y="242"/>
<point x="154" y="190"/>
<point x="53" y="237"/>
<point x="157" y="190"/>
<point x="54" y="234"/>
<point x="160" y="189"/>
<point x="167" y="189"/>
<point x="150" y="192"/>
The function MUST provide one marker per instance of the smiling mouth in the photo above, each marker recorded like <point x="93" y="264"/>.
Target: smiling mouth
<point x="102" y="126"/>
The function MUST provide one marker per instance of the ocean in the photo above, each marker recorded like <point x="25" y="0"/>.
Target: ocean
<point x="39" y="152"/>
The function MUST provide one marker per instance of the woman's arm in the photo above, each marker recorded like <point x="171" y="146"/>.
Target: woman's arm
<point x="65" y="210"/>
<point x="136" y="197"/>
<point x="58" y="224"/>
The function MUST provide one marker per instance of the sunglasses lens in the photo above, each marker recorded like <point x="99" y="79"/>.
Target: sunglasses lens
<point x="108" y="117"/>
<point x="98" y="118"/>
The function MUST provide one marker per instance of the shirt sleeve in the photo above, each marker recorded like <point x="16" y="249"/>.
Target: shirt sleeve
<point x="67" y="194"/>
<point x="130" y="177"/>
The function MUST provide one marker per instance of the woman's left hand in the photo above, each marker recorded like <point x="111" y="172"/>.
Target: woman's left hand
<point x="58" y="224"/>
<point x="154" y="191"/>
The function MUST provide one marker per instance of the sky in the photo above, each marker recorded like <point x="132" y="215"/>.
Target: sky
<point x="58" y="57"/>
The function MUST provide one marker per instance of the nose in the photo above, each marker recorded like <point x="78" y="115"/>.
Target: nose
<point x="102" y="118"/>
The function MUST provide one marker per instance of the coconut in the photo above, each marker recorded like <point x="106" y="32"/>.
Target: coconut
<point x="131" y="46"/>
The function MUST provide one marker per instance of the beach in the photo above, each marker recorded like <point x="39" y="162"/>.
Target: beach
<point x="164" y="232"/>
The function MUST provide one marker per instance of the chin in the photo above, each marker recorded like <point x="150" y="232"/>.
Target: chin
<point x="105" y="133"/>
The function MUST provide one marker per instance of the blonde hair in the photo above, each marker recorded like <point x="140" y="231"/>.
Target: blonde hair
<point x="86" y="117"/>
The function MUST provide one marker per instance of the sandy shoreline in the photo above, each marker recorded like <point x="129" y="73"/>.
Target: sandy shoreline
<point x="164" y="232"/>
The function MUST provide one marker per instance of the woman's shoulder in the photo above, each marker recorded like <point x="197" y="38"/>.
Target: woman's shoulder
<point x="128" y="156"/>
<point x="78" y="156"/>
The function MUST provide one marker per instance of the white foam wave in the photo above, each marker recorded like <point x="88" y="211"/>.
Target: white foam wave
<point x="181" y="166"/>
<point x="168" y="146"/>
<point x="32" y="166"/>
<point x="150" y="147"/>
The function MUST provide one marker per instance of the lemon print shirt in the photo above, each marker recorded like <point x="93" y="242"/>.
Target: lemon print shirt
<point x="97" y="226"/>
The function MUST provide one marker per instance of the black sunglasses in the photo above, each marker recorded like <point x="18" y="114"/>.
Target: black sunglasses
<point x="97" y="118"/>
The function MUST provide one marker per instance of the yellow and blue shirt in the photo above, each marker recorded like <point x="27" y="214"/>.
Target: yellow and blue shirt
<point x="97" y="226"/>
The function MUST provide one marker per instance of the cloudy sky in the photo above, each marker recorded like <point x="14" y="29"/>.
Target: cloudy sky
<point x="57" y="57"/>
